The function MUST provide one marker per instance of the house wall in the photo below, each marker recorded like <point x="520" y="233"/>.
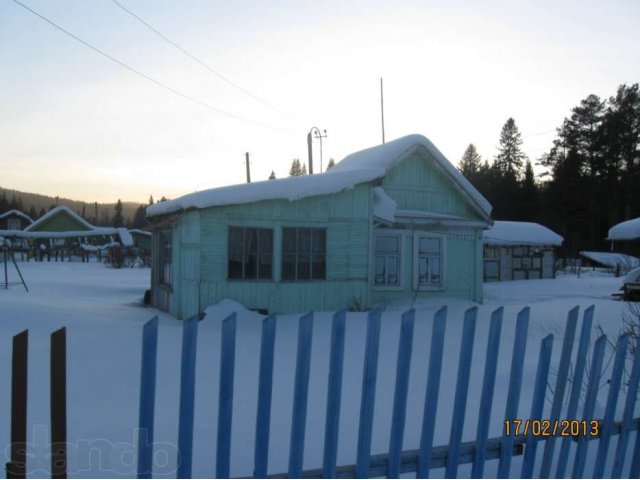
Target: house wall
<point x="62" y="222"/>
<point x="518" y="262"/>
<point x="419" y="184"/>
<point x="4" y="222"/>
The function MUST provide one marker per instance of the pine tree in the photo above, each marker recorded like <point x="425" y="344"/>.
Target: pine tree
<point x="528" y="195"/>
<point x="150" y="199"/>
<point x="4" y="203"/>
<point x="296" y="168"/>
<point x="272" y="176"/>
<point x="140" y="217"/>
<point x="304" y="169"/>
<point x="331" y="163"/>
<point x="118" y="220"/>
<point x="32" y="212"/>
<point x="510" y="156"/>
<point x="40" y="213"/>
<point x="470" y="163"/>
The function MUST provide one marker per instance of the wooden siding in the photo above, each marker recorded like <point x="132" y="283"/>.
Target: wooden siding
<point x="186" y="265"/>
<point x="60" y="222"/>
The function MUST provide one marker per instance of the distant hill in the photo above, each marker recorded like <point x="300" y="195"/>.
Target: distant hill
<point x="85" y="209"/>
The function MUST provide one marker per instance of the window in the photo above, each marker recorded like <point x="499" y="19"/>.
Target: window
<point x="387" y="260"/>
<point x="304" y="254"/>
<point x="13" y="224"/>
<point x="166" y="244"/>
<point x="250" y="253"/>
<point x="428" y="261"/>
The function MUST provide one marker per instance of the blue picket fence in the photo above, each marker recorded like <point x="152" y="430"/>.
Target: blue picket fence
<point x="568" y="384"/>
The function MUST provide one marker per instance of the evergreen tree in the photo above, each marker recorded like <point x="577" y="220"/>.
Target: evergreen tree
<point x="528" y="195"/>
<point x="150" y="199"/>
<point x="32" y="213"/>
<point x="470" y="163"/>
<point x="331" y="163"/>
<point x="118" y="220"/>
<point x="40" y="213"/>
<point x="163" y="199"/>
<point x="510" y="156"/>
<point x="140" y="217"/>
<point x="304" y="169"/>
<point x="272" y="176"/>
<point x="296" y="168"/>
<point x="4" y="203"/>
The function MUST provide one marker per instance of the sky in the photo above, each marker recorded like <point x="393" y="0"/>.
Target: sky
<point x="74" y="123"/>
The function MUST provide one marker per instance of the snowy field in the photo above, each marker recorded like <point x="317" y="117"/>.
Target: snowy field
<point x="103" y="312"/>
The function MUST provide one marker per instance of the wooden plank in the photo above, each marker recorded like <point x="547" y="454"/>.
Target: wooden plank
<point x="300" y="394"/>
<point x="537" y="404"/>
<point x="589" y="404"/>
<point x="433" y="389"/>
<point x="334" y="395"/>
<point x="576" y="389"/>
<point x="225" y="396"/>
<point x="610" y="408"/>
<point x="147" y="398"/>
<point x="187" y="394"/>
<point x="561" y="383"/>
<point x="17" y="467"/>
<point x="462" y="389"/>
<point x="265" y="389"/>
<point x="367" y="401"/>
<point x="515" y="384"/>
<point x="627" y="416"/>
<point x="58" y="386"/>
<point x="403" y="366"/>
<point x="486" y="397"/>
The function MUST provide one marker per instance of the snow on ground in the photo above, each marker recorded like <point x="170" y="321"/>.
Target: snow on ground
<point x="103" y="312"/>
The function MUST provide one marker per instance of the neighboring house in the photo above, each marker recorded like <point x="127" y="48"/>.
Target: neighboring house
<point x="141" y="239"/>
<point x="393" y="221"/>
<point x="625" y="237"/>
<point x="519" y="250"/>
<point x="14" y="220"/>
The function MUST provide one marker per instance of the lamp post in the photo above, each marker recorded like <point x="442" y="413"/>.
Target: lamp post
<point x="315" y="133"/>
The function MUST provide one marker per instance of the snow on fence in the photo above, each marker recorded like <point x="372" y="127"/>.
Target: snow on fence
<point x="397" y="461"/>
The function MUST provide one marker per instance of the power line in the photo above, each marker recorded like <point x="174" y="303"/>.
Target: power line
<point x="196" y="59"/>
<point x="145" y="76"/>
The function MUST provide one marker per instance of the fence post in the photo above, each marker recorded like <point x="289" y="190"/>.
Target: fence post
<point x="187" y="392"/>
<point x="431" y="396"/>
<point x="225" y="399"/>
<point x="300" y="395"/>
<point x="610" y="409"/>
<point x="576" y="389"/>
<point x="589" y="404"/>
<point x="561" y="382"/>
<point x="403" y="366"/>
<point x="367" y="400"/>
<point x="486" y="399"/>
<point x="334" y="394"/>
<point x="265" y="388"/>
<point x="627" y="416"/>
<point x="147" y="398"/>
<point x="58" y="387"/>
<point x="537" y="405"/>
<point x="17" y="467"/>
<point x="515" y="384"/>
<point x="462" y="388"/>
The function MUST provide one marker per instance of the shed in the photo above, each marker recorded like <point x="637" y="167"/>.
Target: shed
<point x="392" y="221"/>
<point x="14" y="220"/>
<point x="625" y="237"/>
<point x="519" y="251"/>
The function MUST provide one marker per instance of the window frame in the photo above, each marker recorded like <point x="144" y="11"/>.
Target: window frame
<point x="244" y="255"/>
<point x="311" y="254"/>
<point x="162" y="262"/>
<point x="400" y="235"/>
<point x="417" y="236"/>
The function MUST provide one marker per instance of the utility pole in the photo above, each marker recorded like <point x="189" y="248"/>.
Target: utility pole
<point x="310" y="152"/>
<point x="319" y="135"/>
<point x="382" y="108"/>
<point x="248" y="168"/>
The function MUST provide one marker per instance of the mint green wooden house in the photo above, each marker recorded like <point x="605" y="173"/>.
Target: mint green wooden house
<point x="392" y="222"/>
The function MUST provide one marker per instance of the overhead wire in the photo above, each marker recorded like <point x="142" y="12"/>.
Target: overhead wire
<point x="196" y="59"/>
<point x="147" y="77"/>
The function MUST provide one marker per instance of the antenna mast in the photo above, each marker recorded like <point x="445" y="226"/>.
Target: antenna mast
<point x="382" y="108"/>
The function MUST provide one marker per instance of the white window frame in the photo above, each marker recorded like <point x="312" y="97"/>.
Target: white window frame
<point x="443" y="255"/>
<point x="15" y="222"/>
<point x="388" y="233"/>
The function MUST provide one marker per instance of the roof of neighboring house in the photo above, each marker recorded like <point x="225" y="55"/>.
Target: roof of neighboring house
<point x="613" y="260"/>
<point x="360" y="167"/>
<point x="629" y="230"/>
<point x="56" y="211"/>
<point x="17" y="213"/>
<point x="520" y="233"/>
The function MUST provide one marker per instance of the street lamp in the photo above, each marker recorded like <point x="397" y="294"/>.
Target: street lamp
<point x="315" y="133"/>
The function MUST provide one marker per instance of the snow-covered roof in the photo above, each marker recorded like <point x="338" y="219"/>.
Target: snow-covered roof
<point x="55" y="211"/>
<point x="629" y="230"/>
<point x="139" y="232"/>
<point x="520" y="233"/>
<point x="360" y="167"/>
<point x="633" y="276"/>
<point x="613" y="260"/>
<point x="384" y="207"/>
<point x="95" y="232"/>
<point x="17" y="213"/>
